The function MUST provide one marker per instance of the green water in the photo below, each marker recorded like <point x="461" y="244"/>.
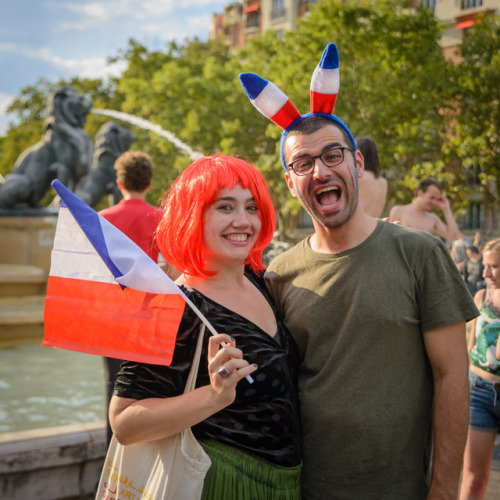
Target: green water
<point x="44" y="387"/>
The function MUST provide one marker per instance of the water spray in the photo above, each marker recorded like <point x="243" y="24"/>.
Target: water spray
<point x="147" y="125"/>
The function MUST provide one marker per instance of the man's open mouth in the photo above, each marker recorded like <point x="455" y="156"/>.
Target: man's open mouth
<point x="328" y="196"/>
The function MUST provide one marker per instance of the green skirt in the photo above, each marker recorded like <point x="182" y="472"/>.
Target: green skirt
<point x="237" y="475"/>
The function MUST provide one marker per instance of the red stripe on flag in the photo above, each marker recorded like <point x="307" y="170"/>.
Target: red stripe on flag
<point x="322" y="103"/>
<point x="285" y="115"/>
<point x="101" y="318"/>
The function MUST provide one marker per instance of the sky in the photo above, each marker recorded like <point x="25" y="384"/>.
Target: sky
<point x="61" y="39"/>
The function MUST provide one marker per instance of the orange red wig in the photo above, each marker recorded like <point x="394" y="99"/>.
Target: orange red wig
<point x="180" y="232"/>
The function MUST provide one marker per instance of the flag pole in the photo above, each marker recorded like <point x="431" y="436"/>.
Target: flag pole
<point x="200" y="315"/>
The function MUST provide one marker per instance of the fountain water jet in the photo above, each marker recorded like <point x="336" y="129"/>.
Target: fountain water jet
<point x="147" y="125"/>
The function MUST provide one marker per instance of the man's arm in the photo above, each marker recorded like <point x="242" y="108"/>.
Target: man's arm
<point x="449" y="230"/>
<point x="447" y="352"/>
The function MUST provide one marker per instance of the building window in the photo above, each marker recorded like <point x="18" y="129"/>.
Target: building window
<point x="470" y="175"/>
<point x="252" y="20"/>
<point x="431" y="4"/>
<point x="470" y="4"/>
<point x="277" y="8"/>
<point x="473" y="219"/>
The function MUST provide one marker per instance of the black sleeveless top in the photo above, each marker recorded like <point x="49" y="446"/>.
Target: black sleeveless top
<point x="264" y="418"/>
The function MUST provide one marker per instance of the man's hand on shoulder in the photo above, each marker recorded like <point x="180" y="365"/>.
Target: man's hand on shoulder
<point x="395" y="214"/>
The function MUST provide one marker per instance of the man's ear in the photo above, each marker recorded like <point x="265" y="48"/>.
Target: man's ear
<point x="120" y="184"/>
<point x="360" y="163"/>
<point x="290" y="185"/>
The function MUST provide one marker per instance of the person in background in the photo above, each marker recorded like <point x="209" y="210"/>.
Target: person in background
<point x="221" y="207"/>
<point x="378" y="313"/>
<point x="459" y="250"/>
<point x="473" y="270"/>
<point x="484" y="376"/>
<point x="478" y="240"/>
<point x="136" y="218"/>
<point x="418" y="215"/>
<point x="372" y="186"/>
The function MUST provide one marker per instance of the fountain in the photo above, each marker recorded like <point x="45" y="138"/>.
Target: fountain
<point x="147" y="125"/>
<point x="64" y="460"/>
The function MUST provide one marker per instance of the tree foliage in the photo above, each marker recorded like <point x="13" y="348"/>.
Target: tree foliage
<point x="475" y="140"/>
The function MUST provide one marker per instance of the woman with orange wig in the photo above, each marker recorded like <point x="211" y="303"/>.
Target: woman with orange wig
<point x="218" y="218"/>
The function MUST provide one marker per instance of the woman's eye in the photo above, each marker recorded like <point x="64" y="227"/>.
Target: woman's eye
<point x="224" y="208"/>
<point x="253" y="208"/>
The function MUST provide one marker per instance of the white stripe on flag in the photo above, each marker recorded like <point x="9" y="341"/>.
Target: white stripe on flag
<point x="73" y="256"/>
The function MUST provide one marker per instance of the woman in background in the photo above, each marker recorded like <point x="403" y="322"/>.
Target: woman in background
<point x="484" y="374"/>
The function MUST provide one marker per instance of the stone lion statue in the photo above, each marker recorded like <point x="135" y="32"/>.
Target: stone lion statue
<point x="64" y="152"/>
<point x="110" y="142"/>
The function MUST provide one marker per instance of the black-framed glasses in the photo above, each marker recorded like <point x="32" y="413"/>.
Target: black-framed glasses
<point x="330" y="158"/>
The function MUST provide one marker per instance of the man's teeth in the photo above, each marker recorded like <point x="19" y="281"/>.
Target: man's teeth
<point x="326" y="189"/>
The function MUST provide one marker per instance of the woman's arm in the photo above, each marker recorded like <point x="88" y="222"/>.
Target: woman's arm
<point x="478" y="300"/>
<point x="136" y="421"/>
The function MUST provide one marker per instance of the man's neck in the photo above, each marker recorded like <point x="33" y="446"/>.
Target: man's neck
<point x="351" y="234"/>
<point x="417" y="207"/>
<point x="134" y="195"/>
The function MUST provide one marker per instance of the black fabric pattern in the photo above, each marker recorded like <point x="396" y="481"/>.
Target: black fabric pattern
<point x="264" y="418"/>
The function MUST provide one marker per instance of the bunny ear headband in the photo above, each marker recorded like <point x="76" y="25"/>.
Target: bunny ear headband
<point x="276" y="106"/>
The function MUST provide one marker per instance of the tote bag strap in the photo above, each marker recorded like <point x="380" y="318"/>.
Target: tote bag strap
<point x="191" y="381"/>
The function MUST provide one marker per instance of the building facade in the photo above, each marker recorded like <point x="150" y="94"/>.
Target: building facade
<point x="246" y="19"/>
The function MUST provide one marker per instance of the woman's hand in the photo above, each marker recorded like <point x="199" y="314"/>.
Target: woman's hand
<point x="226" y="367"/>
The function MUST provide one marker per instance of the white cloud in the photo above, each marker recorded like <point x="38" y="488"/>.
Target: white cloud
<point x="5" y="102"/>
<point x="7" y="47"/>
<point x="90" y="67"/>
<point x="94" y="14"/>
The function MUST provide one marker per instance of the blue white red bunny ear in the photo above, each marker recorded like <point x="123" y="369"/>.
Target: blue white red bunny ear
<point x="276" y="106"/>
<point x="325" y="81"/>
<point x="269" y="100"/>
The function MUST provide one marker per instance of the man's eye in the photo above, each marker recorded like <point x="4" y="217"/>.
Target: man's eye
<point x="331" y="156"/>
<point x="304" y="164"/>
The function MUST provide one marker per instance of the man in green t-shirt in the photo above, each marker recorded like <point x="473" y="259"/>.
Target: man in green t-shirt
<point x="378" y="312"/>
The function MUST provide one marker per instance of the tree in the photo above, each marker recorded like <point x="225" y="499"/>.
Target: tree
<point x="394" y="78"/>
<point x="475" y="139"/>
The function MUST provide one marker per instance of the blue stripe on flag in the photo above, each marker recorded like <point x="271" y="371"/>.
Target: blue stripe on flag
<point x="88" y="220"/>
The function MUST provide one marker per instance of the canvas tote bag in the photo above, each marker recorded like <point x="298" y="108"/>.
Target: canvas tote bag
<point x="172" y="468"/>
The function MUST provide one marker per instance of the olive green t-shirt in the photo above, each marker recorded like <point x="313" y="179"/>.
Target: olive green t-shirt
<point x="365" y="383"/>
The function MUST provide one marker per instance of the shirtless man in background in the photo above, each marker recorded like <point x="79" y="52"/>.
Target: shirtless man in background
<point x="418" y="216"/>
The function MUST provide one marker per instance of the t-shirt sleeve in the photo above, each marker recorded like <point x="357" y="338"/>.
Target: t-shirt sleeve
<point x="443" y="297"/>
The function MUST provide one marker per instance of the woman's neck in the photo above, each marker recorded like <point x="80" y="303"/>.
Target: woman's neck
<point x="228" y="277"/>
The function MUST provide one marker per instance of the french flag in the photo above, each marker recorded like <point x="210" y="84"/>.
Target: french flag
<point x="269" y="99"/>
<point x="325" y="81"/>
<point x="105" y="296"/>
